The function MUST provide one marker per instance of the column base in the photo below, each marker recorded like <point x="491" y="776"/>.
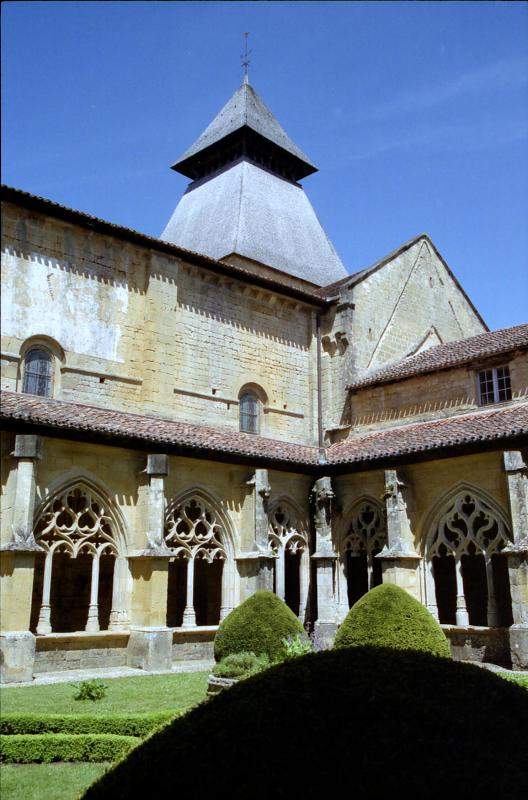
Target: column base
<point x="519" y="646"/>
<point x="150" y="649"/>
<point x="17" y="656"/>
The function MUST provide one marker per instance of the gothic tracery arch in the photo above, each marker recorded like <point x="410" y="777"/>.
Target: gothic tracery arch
<point x="364" y="536"/>
<point x="466" y="578"/>
<point x="198" y="532"/>
<point x="81" y="583"/>
<point x="288" y="540"/>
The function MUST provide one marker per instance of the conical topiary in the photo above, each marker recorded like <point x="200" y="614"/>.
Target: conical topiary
<point x="388" y="616"/>
<point x="257" y="626"/>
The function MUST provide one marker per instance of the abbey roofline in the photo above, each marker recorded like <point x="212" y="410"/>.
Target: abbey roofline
<point x="283" y="284"/>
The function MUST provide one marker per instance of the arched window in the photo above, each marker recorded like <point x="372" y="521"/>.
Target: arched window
<point x="289" y="542"/>
<point x="198" y="591"/>
<point x="365" y="538"/>
<point x="38" y="368"/>
<point x="78" y="578"/>
<point x="468" y="578"/>
<point x="249" y="413"/>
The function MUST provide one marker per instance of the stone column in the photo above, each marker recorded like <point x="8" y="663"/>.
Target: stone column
<point x="44" y="620"/>
<point x="17" y="644"/>
<point x="150" y="643"/>
<point x="462" y="617"/>
<point x="492" y="611"/>
<point x="325" y="559"/>
<point x="92" y="623"/>
<point x="119" y="614"/>
<point x="516" y="471"/>
<point x="257" y="564"/>
<point x="399" y="560"/>
<point x="189" y="615"/>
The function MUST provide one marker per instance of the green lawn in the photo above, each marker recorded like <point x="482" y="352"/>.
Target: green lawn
<point x="53" y="781"/>
<point x="124" y="696"/>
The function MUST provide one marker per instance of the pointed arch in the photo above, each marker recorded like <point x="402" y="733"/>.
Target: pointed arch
<point x="81" y="581"/>
<point x="466" y="578"/>
<point x="203" y="580"/>
<point x="288" y="537"/>
<point x="362" y="536"/>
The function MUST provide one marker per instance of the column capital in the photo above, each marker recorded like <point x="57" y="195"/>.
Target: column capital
<point x="28" y="446"/>
<point x="513" y="461"/>
<point x="399" y="550"/>
<point x="157" y="465"/>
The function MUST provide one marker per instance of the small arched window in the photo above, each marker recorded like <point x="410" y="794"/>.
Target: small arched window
<point x="38" y="367"/>
<point x="249" y="413"/>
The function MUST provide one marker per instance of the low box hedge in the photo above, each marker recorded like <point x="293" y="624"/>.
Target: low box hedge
<point x="43" y="748"/>
<point x="140" y="725"/>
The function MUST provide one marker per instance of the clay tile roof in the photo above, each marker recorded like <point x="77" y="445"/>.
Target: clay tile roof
<point x="57" y="416"/>
<point x="445" y="356"/>
<point x="480" y="426"/>
<point x="60" y="415"/>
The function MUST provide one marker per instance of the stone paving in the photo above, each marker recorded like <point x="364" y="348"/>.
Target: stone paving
<point x="77" y="675"/>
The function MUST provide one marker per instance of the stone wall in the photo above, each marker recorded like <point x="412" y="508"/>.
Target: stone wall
<point x="142" y="331"/>
<point x="410" y="302"/>
<point x="63" y="651"/>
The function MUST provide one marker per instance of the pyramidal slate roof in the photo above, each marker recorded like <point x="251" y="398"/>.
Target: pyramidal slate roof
<point x="245" y="109"/>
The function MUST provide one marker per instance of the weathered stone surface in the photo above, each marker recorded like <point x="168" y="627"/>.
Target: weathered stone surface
<point x="489" y="645"/>
<point x="150" y="648"/>
<point x="17" y="656"/>
<point x="519" y="646"/>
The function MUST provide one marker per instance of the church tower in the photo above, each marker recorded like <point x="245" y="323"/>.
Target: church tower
<point x="245" y="202"/>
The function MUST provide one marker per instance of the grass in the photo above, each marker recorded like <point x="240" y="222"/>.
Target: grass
<point x="135" y="695"/>
<point x="520" y="680"/>
<point x="43" y="781"/>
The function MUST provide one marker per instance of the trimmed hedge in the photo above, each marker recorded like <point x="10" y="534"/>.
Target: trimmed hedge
<point x="257" y="626"/>
<point x="388" y="616"/>
<point x="47" y="747"/>
<point x="367" y="722"/>
<point x="140" y="725"/>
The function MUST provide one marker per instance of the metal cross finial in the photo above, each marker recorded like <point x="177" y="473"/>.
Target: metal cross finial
<point x="245" y="57"/>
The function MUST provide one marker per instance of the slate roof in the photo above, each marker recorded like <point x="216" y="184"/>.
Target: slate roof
<point x="447" y="356"/>
<point x="56" y="416"/>
<point x="245" y="109"/>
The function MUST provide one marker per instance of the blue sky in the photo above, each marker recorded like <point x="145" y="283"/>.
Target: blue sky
<point x="415" y="113"/>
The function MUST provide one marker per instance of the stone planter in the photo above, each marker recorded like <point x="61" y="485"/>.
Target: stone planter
<point x="216" y="685"/>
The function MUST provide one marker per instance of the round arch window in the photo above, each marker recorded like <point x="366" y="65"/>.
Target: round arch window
<point x="37" y="372"/>
<point x="249" y="413"/>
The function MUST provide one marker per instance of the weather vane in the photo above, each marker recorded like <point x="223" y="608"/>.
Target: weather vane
<point x="245" y="57"/>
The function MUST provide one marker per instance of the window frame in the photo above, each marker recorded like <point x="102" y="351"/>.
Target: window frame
<point x="50" y="377"/>
<point x="258" y="412"/>
<point x="495" y="381"/>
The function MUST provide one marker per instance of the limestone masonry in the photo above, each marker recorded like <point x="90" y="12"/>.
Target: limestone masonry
<point x="191" y="418"/>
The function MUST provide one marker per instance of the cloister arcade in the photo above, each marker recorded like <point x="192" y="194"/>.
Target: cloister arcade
<point x="82" y="581"/>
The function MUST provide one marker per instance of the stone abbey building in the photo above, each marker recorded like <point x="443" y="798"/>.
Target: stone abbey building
<point x="190" y="418"/>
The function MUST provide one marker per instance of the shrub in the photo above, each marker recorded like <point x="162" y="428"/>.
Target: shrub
<point x="295" y="646"/>
<point x="91" y="690"/>
<point x="368" y="722"/>
<point x="257" y="626"/>
<point x="388" y="616"/>
<point x="48" y="747"/>
<point x="140" y="725"/>
<point x="241" y="665"/>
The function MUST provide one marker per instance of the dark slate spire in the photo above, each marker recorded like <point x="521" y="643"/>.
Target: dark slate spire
<point x="245" y="127"/>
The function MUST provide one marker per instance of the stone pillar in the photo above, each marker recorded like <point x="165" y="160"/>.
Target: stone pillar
<point x="119" y="614"/>
<point x="92" y="623"/>
<point x="517" y="554"/>
<point x="44" y="620"/>
<point x="257" y="564"/>
<point x="461" y="617"/>
<point x="189" y="615"/>
<point x="17" y="644"/>
<point x="150" y="642"/>
<point x="325" y="559"/>
<point x="399" y="560"/>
